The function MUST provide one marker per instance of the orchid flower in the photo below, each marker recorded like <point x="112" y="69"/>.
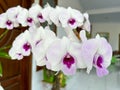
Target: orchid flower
<point x="21" y="46"/>
<point x="13" y="14"/>
<point x="46" y="12"/>
<point x="41" y="39"/>
<point x="54" y="15"/>
<point x="96" y="52"/>
<point x="9" y="19"/>
<point x="35" y="12"/>
<point x="5" y="22"/>
<point x="71" y="18"/>
<point x="25" y="18"/>
<point x="64" y="55"/>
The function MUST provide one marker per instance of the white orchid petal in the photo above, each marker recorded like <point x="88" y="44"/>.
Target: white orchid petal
<point x="1" y="88"/>
<point x="21" y="46"/>
<point x="54" y="53"/>
<point x="88" y="50"/>
<point x="54" y="15"/>
<point x="69" y="71"/>
<point x="64" y="16"/>
<point x="13" y="12"/>
<point x="9" y="26"/>
<point x="105" y="50"/>
<point x="22" y="17"/>
<point x="34" y="11"/>
<point x="101" y="72"/>
<point x="46" y="11"/>
<point x="76" y="47"/>
<point x="82" y="35"/>
<point x="76" y="14"/>
<point x="86" y="25"/>
<point x="15" y="53"/>
<point x="3" y="19"/>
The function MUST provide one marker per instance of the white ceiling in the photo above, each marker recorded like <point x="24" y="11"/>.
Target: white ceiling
<point x="102" y="10"/>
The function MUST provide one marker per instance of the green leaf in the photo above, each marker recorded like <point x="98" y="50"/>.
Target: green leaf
<point x="0" y="70"/>
<point x="4" y="54"/>
<point x="114" y="60"/>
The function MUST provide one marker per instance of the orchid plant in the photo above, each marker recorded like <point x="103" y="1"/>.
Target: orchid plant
<point x="66" y="54"/>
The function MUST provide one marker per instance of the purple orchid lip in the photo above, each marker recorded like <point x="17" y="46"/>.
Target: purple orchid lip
<point x="29" y="20"/>
<point x="98" y="61"/>
<point x="71" y="21"/>
<point x="8" y="22"/>
<point x="26" y="46"/>
<point x="40" y="16"/>
<point x="19" y="54"/>
<point x="68" y="60"/>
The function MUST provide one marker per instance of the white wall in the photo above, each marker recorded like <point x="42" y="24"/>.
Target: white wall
<point x="36" y="1"/>
<point x="70" y="3"/>
<point x="112" y="28"/>
<point x="36" y="75"/>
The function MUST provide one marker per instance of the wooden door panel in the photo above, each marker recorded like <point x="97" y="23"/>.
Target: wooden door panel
<point x="13" y="83"/>
<point x="10" y="68"/>
<point x="16" y="74"/>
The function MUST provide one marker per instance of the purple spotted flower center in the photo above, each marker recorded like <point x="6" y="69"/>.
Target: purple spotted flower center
<point x="99" y="62"/>
<point x="19" y="54"/>
<point x="71" y="21"/>
<point x="26" y="46"/>
<point x="29" y="20"/>
<point x="68" y="60"/>
<point x="8" y="22"/>
<point x="40" y="16"/>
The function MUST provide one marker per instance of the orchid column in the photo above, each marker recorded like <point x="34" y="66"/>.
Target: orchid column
<point x="61" y="55"/>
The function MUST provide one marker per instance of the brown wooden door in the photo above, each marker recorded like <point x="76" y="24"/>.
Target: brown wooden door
<point x="16" y="74"/>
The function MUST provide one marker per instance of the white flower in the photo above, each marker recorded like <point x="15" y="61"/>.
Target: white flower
<point x="35" y="13"/>
<point x="41" y="39"/>
<point x="25" y="18"/>
<point x="54" y="15"/>
<point x="13" y="14"/>
<point x="5" y="22"/>
<point x="21" y="46"/>
<point x="71" y="18"/>
<point x="96" y="52"/>
<point x="64" y="55"/>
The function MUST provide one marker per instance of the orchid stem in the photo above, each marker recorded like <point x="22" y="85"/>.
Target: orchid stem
<point x="3" y="34"/>
<point x="5" y="47"/>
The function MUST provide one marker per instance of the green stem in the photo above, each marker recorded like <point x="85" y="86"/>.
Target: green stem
<point x="3" y="34"/>
<point x="0" y="69"/>
<point x="5" y="47"/>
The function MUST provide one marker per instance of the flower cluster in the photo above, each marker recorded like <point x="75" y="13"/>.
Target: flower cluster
<point x="66" y="54"/>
